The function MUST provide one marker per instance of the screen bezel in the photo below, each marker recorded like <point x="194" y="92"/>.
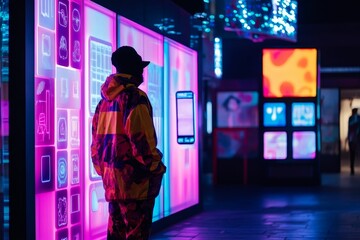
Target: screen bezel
<point x="185" y="139"/>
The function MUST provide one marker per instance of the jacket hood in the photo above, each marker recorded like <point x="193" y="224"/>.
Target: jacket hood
<point x="116" y="83"/>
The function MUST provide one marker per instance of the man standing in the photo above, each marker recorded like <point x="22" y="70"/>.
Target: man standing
<point x="353" y="137"/>
<point x="123" y="148"/>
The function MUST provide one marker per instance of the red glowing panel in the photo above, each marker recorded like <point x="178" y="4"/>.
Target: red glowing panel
<point x="289" y="72"/>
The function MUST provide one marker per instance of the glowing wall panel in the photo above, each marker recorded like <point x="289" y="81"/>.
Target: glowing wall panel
<point x="150" y="46"/>
<point x="74" y="41"/>
<point x="57" y="88"/>
<point x="182" y="178"/>
<point x="289" y="72"/>
<point x="99" y="43"/>
<point x="237" y="109"/>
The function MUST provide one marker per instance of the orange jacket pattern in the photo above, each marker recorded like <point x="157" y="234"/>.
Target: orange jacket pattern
<point x="123" y="148"/>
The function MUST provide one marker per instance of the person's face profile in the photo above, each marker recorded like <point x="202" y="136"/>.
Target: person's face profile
<point x="233" y="104"/>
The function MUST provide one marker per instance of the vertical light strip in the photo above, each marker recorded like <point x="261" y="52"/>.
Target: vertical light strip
<point x="209" y="117"/>
<point x="218" y="57"/>
<point x="166" y="128"/>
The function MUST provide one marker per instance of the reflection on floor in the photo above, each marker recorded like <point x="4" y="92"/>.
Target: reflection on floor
<point x="330" y="211"/>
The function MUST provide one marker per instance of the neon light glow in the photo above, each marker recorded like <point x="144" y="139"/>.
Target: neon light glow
<point x="289" y="72"/>
<point x="99" y="43"/>
<point x="150" y="46"/>
<point x="209" y="117"/>
<point x="262" y="19"/>
<point x="72" y="60"/>
<point x="183" y="185"/>
<point x="218" y="57"/>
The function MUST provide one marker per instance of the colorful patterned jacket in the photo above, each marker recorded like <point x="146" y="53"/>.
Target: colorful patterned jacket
<point x="123" y="148"/>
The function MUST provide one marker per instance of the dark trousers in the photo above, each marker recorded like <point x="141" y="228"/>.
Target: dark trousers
<point x="130" y="220"/>
<point x="352" y="150"/>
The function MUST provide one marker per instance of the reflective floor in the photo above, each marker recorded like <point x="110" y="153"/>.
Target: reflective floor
<point x="330" y="211"/>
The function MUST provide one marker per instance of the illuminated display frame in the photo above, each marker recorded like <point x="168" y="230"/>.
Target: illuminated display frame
<point x="289" y="72"/>
<point x="66" y="182"/>
<point x="274" y="114"/>
<point x="303" y="114"/>
<point x="236" y="109"/>
<point x="290" y="61"/>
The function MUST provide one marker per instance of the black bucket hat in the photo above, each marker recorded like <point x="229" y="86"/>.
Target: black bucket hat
<point x="126" y="60"/>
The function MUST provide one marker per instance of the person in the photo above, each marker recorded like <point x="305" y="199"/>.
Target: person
<point x="353" y="137"/>
<point x="124" y="148"/>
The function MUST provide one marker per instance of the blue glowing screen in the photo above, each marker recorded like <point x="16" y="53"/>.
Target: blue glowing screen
<point x="303" y="114"/>
<point x="274" y="114"/>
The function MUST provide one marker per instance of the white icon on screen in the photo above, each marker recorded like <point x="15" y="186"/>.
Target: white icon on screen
<point x="62" y="171"/>
<point x="62" y="211"/>
<point x="75" y="168"/>
<point x="274" y="112"/>
<point x="62" y="126"/>
<point x="75" y="89"/>
<point x="63" y="49"/>
<point x="43" y="105"/>
<point x="76" y="53"/>
<point x="76" y="20"/>
<point x="45" y="45"/>
<point x="63" y="15"/>
<point x="74" y="131"/>
<point x="64" y="89"/>
<point x="45" y="168"/>
<point x="46" y="8"/>
<point x="98" y="202"/>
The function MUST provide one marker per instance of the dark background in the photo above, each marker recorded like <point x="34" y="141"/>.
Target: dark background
<point x="309" y="11"/>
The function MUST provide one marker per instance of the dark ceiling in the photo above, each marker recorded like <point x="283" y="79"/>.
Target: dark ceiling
<point x="309" y="11"/>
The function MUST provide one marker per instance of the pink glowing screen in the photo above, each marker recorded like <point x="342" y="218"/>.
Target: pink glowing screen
<point x="289" y="72"/>
<point x="74" y="41"/>
<point x="275" y="145"/>
<point x="181" y="181"/>
<point x="99" y="43"/>
<point x="304" y="145"/>
<point x="151" y="47"/>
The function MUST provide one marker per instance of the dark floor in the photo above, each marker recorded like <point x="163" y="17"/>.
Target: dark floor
<point x="330" y="211"/>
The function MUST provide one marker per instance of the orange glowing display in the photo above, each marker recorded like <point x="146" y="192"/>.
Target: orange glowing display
<point x="289" y="72"/>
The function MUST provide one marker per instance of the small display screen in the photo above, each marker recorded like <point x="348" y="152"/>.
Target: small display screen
<point x="275" y="145"/>
<point x="237" y="109"/>
<point x="289" y="72"/>
<point x="185" y="117"/>
<point x="303" y="114"/>
<point x="304" y="145"/>
<point x="274" y="114"/>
